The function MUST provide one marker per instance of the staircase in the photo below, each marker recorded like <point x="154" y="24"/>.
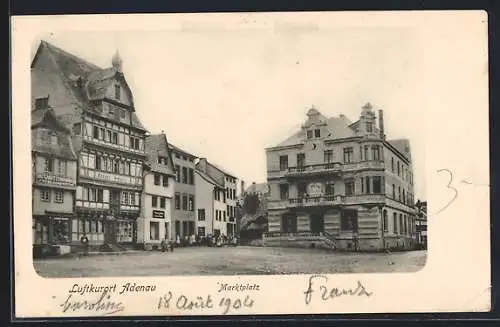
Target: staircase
<point x="300" y="239"/>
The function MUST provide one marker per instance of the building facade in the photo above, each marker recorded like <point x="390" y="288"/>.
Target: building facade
<point x="183" y="207"/>
<point x="97" y="105"/>
<point x="155" y="222"/>
<point x="216" y="210"/>
<point x="53" y="180"/>
<point x="421" y="224"/>
<point x="342" y="185"/>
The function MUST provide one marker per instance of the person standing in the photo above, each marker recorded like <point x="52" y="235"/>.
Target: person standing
<point x="85" y="241"/>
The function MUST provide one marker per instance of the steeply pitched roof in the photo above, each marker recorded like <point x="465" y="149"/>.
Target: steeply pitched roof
<point x="208" y="178"/>
<point x="46" y="126"/>
<point x="222" y="170"/>
<point x="178" y="149"/>
<point x="157" y="145"/>
<point x="84" y="81"/>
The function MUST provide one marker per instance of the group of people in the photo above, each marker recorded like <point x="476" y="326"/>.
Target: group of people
<point x="192" y="240"/>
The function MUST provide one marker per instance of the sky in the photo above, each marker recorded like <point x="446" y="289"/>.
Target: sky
<point x="228" y="94"/>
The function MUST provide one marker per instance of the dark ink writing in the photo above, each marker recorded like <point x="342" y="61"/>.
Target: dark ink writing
<point x="102" y="305"/>
<point x="451" y="187"/>
<point x="328" y="294"/>
<point x="235" y="303"/>
<point x="183" y="302"/>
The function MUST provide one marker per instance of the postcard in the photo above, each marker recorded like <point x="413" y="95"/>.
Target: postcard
<point x="250" y="163"/>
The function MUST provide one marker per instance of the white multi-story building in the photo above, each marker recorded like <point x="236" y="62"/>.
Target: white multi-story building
<point x="215" y="200"/>
<point x="155" y="222"/>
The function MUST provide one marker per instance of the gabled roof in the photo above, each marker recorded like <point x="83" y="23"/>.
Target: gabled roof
<point x="208" y="178"/>
<point x="222" y="170"/>
<point x="85" y="82"/>
<point x="157" y="145"/>
<point x="45" y="125"/>
<point x="178" y="149"/>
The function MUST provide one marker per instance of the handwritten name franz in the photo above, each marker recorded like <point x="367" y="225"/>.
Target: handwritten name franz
<point x="319" y="283"/>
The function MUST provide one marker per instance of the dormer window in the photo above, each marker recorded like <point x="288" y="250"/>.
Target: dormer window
<point x="369" y="127"/>
<point x="117" y="92"/>
<point x="42" y="103"/>
<point x="309" y="134"/>
<point x="317" y="133"/>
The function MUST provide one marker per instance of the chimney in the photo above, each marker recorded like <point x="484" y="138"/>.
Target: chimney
<point x="381" y="124"/>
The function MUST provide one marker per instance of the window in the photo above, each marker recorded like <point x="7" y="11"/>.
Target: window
<point x="367" y="185"/>
<point x="398" y="168"/>
<point x="349" y="220"/>
<point x="184" y="202"/>
<point x="157" y="179"/>
<point x="330" y="188"/>
<point x="177" y="201"/>
<point x="392" y="164"/>
<point x="154" y="201"/>
<point x="404" y="196"/>
<point x="224" y="215"/>
<point x="77" y="128"/>
<point x="122" y="113"/>
<point x="45" y="195"/>
<point x="399" y="193"/>
<point x="394" y="191"/>
<point x="60" y="231"/>
<point x="301" y="160"/>
<point x="162" y="202"/>
<point x="165" y="180"/>
<point x="98" y="163"/>
<point x="348" y="155"/>
<point x="369" y="127"/>
<point x="49" y="165"/>
<point x="108" y="136"/>
<point x="177" y="173"/>
<point x="395" y="223"/>
<point x="377" y="184"/>
<point x="328" y="156"/>
<point x="191" y="203"/>
<point x="117" y="92"/>
<point x="59" y="197"/>
<point x="154" y="231"/>
<point x="385" y="221"/>
<point x="42" y="103"/>
<point x="405" y="224"/>
<point x="375" y="152"/>
<point x="349" y="187"/>
<point x="115" y="138"/>
<point x="401" y="223"/>
<point x="184" y="175"/>
<point x="283" y="162"/>
<point x="201" y="214"/>
<point x="309" y="134"/>
<point x="317" y="133"/>
<point x="301" y="189"/>
<point x="283" y="191"/>
<point x="201" y="231"/>
<point x="362" y="185"/>
<point x="95" y="132"/>
<point x="191" y="176"/>
<point x="100" y="195"/>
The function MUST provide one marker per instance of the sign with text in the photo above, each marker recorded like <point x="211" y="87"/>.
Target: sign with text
<point x="158" y="214"/>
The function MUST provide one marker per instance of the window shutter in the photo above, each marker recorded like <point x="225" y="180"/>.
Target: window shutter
<point x="121" y="138"/>
<point x="79" y="193"/>
<point x="106" y="195"/>
<point x="88" y="129"/>
<point x="136" y="199"/>
<point x="91" y="161"/>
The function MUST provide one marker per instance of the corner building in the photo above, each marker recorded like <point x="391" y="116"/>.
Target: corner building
<point x="341" y="185"/>
<point x="97" y="105"/>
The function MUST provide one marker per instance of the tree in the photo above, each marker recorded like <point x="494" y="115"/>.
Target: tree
<point x="251" y="203"/>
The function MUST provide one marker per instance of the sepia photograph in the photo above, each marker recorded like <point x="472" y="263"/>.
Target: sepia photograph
<point x="341" y="193"/>
<point x="251" y="149"/>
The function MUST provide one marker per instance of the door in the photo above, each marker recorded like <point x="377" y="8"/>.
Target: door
<point x="289" y="223"/>
<point x="317" y="223"/>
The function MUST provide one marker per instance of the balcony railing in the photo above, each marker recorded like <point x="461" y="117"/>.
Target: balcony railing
<point x="315" y="169"/>
<point x="316" y="201"/>
<point x="49" y="178"/>
<point x="371" y="164"/>
<point x="111" y="145"/>
<point x="110" y="177"/>
<point x="364" y="198"/>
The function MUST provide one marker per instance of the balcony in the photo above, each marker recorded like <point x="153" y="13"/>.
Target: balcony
<point x="364" y="198"/>
<point x="52" y="179"/>
<point x="318" y="169"/>
<point x="120" y="147"/>
<point x="324" y="200"/>
<point x="135" y="181"/>
<point x="372" y="164"/>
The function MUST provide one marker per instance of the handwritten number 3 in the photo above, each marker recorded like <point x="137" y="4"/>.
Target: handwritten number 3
<point x="450" y="187"/>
